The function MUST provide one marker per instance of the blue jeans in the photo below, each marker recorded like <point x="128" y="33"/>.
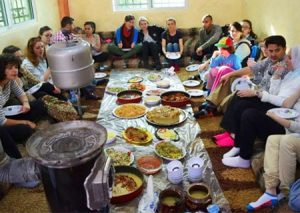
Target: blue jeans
<point x="173" y="47"/>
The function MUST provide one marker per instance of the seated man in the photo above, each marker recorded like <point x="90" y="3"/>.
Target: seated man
<point x="126" y="38"/>
<point x="209" y="35"/>
<point x="247" y="110"/>
<point x="65" y="33"/>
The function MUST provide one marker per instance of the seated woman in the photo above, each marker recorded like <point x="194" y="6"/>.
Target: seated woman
<point x="35" y="60"/>
<point x="21" y="123"/>
<point x="95" y="42"/>
<point x="150" y="37"/>
<point x="241" y="44"/>
<point x="29" y="80"/>
<point x="172" y="41"/>
<point x="46" y="33"/>
<point x="248" y="31"/>
<point x="250" y="121"/>
<point x="56" y="104"/>
<point x="126" y="39"/>
<point x="281" y="156"/>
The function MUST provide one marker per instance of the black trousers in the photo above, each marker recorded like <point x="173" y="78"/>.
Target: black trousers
<point x="153" y="49"/>
<point x="11" y="135"/>
<point x="255" y="124"/>
<point x="232" y="117"/>
<point x="246" y="117"/>
<point x="47" y="89"/>
<point x="206" y="52"/>
<point x="101" y="57"/>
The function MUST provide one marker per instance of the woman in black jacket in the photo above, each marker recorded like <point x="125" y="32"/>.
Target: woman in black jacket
<point x="150" y="37"/>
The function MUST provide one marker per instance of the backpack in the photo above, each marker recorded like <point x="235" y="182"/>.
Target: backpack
<point x="244" y="62"/>
<point x="255" y="52"/>
<point x="294" y="196"/>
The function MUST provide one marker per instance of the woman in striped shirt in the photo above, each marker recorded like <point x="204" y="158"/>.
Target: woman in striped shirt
<point x="16" y="128"/>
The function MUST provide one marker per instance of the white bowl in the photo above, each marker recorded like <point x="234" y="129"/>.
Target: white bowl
<point x="152" y="100"/>
<point x="163" y="84"/>
<point x="195" y="169"/>
<point x="175" y="171"/>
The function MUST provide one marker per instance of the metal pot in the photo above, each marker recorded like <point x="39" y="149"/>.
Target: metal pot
<point x="75" y="173"/>
<point x="71" y="64"/>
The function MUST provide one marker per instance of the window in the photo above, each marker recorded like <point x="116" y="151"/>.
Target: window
<point x="15" y="12"/>
<point x="121" y="5"/>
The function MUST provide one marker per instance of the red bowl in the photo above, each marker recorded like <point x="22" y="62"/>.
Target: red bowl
<point x="131" y="195"/>
<point x="149" y="164"/>
<point x="129" y="96"/>
<point x="175" y="98"/>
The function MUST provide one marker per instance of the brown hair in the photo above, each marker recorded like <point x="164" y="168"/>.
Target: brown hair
<point x="252" y="34"/>
<point x="230" y="49"/>
<point x="168" y="33"/>
<point x="30" y="52"/>
<point x="129" y="18"/>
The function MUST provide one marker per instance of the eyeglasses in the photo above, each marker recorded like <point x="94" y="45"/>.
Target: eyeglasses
<point x="48" y="35"/>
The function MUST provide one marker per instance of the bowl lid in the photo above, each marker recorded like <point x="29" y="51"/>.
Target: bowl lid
<point x="66" y="45"/>
<point x="67" y="144"/>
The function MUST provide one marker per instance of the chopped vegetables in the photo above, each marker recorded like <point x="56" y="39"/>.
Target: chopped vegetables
<point x="120" y="158"/>
<point x="168" y="150"/>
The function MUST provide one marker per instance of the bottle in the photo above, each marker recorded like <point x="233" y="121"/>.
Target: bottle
<point x="213" y="208"/>
<point x="73" y="97"/>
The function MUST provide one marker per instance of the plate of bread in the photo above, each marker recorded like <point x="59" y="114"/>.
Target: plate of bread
<point x="166" y="116"/>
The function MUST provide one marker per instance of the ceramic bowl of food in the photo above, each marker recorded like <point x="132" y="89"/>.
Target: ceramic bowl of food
<point x="163" y="84"/>
<point x="169" y="151"/>
<point x="198" y="197"/>
<point x="129" y="96"/>
<point x="149" y="164"/>
<point x="175" y="98"/>
<point x="152" y="100"/>
<point x="171" y="200"/>
<point x="127" y="185"/>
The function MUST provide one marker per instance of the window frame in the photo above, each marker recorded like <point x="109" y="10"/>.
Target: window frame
<point x="149" y="7"/>
<point x="9" y="16"/>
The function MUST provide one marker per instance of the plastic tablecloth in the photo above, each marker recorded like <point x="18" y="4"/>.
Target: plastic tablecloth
<point x="188" y="131"/>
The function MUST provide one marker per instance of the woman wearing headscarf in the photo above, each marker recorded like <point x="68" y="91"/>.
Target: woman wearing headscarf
<point x="254" y="123"/>
<point x="282" y="151"/>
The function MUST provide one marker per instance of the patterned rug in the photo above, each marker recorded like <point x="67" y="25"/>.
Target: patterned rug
<point x="239" y="185"/>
